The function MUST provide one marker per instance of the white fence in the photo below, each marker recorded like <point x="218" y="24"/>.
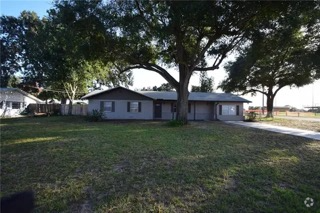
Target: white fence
<point x="77" y="109"/>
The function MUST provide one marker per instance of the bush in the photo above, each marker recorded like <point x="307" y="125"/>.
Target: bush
<point x="175" y="123"/>
<point x="95" y="116"/>
<point x="252" y="116"/>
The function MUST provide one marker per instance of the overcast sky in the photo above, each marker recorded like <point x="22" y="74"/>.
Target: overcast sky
<point x="297" y="97"/>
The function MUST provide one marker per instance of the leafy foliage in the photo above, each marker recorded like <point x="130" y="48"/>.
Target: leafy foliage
<point x="206" y="83"/>
<point x="280" y="54"/>
<point x="162" y="87"/>
<point x="51" y="54"/>
<point x="95" y="116"/>
<point x="155" y="35"/>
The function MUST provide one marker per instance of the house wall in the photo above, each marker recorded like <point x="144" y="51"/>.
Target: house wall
<point x="239" y="117"/>
<point x="6" y="99"/>
<point x="120" y="109"/>
<point x="204" y="111"/>
<point x="200" y="110"/>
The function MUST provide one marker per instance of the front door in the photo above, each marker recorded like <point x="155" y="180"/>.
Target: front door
<point x="157" y="110"/>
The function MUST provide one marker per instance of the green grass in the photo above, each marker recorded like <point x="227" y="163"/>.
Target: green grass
<point x="298" y="124"/>
<point x="74" y="165"/>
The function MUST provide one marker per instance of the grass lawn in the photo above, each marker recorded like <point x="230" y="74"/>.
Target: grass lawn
<point x="74" y="165"/>
<point x="298" y="124"/>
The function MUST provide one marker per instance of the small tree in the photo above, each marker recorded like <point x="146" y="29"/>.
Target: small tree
<point x="163" y="87"/>
<point x="206" y="83"/>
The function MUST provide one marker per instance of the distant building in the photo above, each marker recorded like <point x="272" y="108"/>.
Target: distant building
<point x="13" y="101"/>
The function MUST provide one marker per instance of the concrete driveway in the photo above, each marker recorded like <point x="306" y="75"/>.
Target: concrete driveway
<point x="279" y="129"/>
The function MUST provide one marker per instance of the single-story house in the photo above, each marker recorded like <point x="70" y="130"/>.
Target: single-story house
<point x="13" y="101"/>
<point x="122" y="103"/>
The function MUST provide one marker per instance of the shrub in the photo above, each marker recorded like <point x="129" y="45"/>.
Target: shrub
<point x="95" y="116"/>
<point x="252" y="116"/>
<point x="175" y="123"/>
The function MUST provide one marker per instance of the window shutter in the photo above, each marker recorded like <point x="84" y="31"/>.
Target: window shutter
<point x="189" y="107"/>
<point x="238" y="109"/>
<point x="139" y="106"/>
<point x="101" y="106"/>
<point x="220" y="109"/>
<point x="128" y="107"/>
<point x="112" y="110"/>
<point x="171" y="107"/>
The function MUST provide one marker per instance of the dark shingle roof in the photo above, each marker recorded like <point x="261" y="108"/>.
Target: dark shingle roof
<point x="195" y="96"/>
<point x="171" y="96"/>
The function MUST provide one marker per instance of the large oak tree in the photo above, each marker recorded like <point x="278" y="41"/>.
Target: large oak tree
<point x="157" y="35"/>
<point x="285" y="52"/>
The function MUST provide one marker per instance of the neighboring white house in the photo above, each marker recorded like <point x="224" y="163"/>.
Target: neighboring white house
<point x="13" y="101"/>
<point x="122" y="103"/>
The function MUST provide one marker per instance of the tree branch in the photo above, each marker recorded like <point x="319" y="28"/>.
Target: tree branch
<point x="152" y="67"/>
<point x="206" y="68"/>
<point x="277" y="90"/>
<point x="201" y="54"/>
<point x="256" y="90"/>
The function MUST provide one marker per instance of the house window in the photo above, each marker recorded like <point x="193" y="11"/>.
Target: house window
<point x="174" y="107"/>
<point x="8" y="104"/>
<point x="134" y="106"/>
<point x="15" y="105"/>
<point x="228" y="110"/>
<point x="107" y="106"/>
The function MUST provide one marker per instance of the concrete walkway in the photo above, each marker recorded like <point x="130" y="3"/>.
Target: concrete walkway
<point x="280" y="129"/>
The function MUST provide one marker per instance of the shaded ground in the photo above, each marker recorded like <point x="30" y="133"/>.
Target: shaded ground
<point x="306" y="124"/>
<point x="74" y="166"/>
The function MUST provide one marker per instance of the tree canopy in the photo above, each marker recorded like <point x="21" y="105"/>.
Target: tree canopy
<point x="156" y="35"/>
<point x="282" y="54"/>
<point x="49" y="54"/>
<point x="206" y="83"/>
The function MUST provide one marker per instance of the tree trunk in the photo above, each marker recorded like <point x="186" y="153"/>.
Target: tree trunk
<point x="183" y="94"/>
<point x="70" y="107"/>
<point x="270" y="98"/>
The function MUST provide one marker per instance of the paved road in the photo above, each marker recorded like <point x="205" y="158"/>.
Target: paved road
<point x="316" y="119"/>
<point x="279" y="129"/>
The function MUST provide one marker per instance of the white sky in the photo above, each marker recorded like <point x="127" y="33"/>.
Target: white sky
<point x="298" y="97"/>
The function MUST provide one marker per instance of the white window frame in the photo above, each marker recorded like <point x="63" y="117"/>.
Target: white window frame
<point x="229" y="110"/>
<point x="134" y="106"/>
<point x="107" y="108"/>
<point x="14" y="103"/>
